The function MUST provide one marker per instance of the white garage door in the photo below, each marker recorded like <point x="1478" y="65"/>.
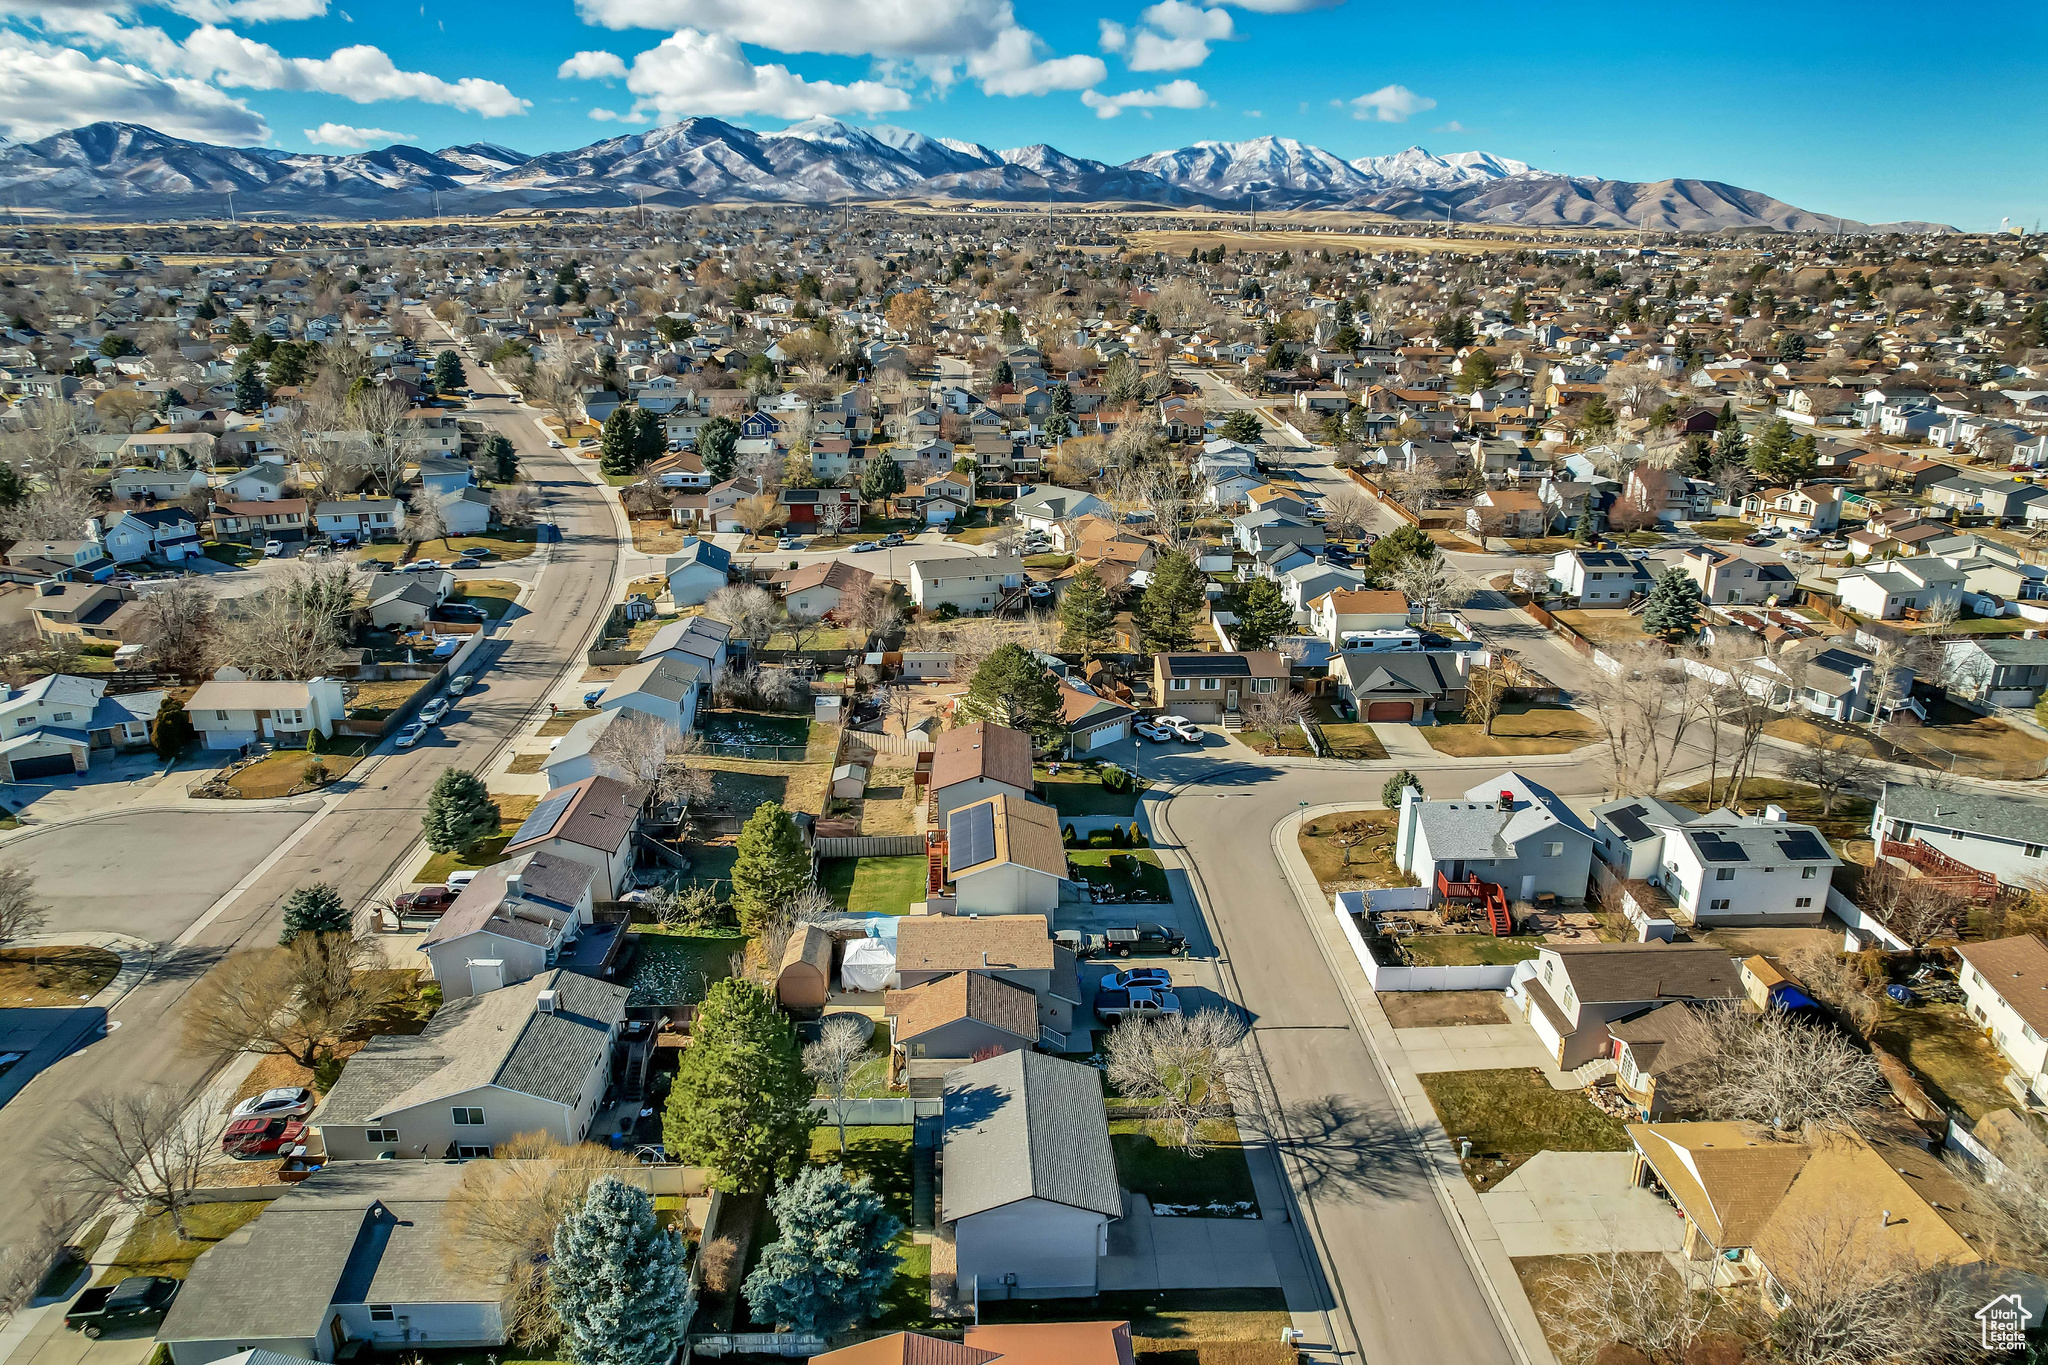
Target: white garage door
<point x="1109" y="734"/>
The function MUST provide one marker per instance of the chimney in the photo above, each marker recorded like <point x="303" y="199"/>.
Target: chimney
<point x="513" y="886"/>
<point x="545" y="1002"/>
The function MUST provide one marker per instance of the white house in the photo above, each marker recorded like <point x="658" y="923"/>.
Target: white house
<point x="1031" y="1181"/>
<point x="232" y="712"/>
<point x="1510" y="832"/>
<point x="1599" y="578"/>
<point x="168" y="533"/>
<point x="511" y="923"/>
<point x="665" y="686"/>
<point x="1888" y="589"/>
<point x="1997" y="832"/>
<point x="263" y="482"/>
<point x="1045" y="507"/>
<point x="590" y="822"/>
<point x="464" y="511"/>
<point x="164" y="485"/>
<point x="53" y="726"/>
<point x="1720" y="867"/>
<point x="2005" y="988"/>
<point x="1004" y="857"/>
<point x="699" y="569"/>
<point x="360" y="518"/>
<point x="1360" y="618"/>
<point x="970" y="584"/>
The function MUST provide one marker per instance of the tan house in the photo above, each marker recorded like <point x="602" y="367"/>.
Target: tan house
<point x="1004" y="857"/>
<point x="91" y="611"/>
<point x="282" y="519"/>
<point x="1018" y="949"/>
<point x="1207" y="687"/>
<point x="974" y="762"/>
<point x="1732" y="579"/>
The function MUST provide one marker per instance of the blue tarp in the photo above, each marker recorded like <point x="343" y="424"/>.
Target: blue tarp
<point x="1792" y="998"/>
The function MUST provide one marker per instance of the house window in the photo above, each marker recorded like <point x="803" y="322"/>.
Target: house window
<point x="1211" y="684"/>
<point x="470" y="1153"/>
<point x="1803" y="903"/>
<point x="1724" y="874"/>
<point x="220" y="715"/>
<point x="1262" y="684"/>
<point x="1807" y="874"/>
<point x="377" y="1135"/>
<point x="1721" y="904"/>
<point x="383" y="1312"/>
<point x="1553" y="850"/>
<point x="2033" y="850"/>
<point x="471" y="1118"/>
<point x="61" y="715"/>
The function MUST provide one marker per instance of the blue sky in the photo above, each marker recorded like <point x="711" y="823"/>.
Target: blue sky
<point x="1833" y="107"/>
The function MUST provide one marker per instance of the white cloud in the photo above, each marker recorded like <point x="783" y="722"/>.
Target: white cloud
<point x="65" y="15"/>
<point x="1115" y="37"/>
<point x="45" y="89"/>
<point x="1254" y="113"/>
<point x="1181" y="94"/>
<point x="706" y="73"/>
<point x="347" y="135"/>
<point x="1012" y="66"/>
<point x="1280" y="6"/>
<point x="1176" y="36"/>
<point x="593" y="66"/>
<point x="361" y="73"/>
<point x="1452" y="127"/>
<point x="1390" y="104"/>
<point x="249" y="11"/>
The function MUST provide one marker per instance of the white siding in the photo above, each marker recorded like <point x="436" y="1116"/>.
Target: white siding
<point x="1050" y="1248"/>
<point x="1008" y="889"/>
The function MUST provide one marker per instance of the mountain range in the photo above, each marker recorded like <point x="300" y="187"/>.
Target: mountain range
<point x="126" y="170"/>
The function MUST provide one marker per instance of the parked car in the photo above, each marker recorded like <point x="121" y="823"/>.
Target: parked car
<point x="257" y="1136"/>
<point x="428" y="900"/>
<point x="1040" y="590"/>
<point x="460" y="611"/>
<point x="424" y="566"/>
<point x="553" y="444"/>
<point x="139" y="1300"/>
<point x="272" y="549"/>
<point x="593" y="697"/>
<point x="892" y="540"/>
<point x="411" y="734"/>
<point x="1756" y="542"/>
<point x="461" y="683"/>
<point x="1144" y="938"/>
<point x="1158" y="734"/>
<point x="433" y="711"/>
<point x="1836" y="544"/>
<point x="458" y="880"/>
<point x="867" y="547"/>
<point x="288" y="1101"/>
<point x="789" y="543"/>
<point x="1130" y="978"/>
<point x="1182" y="727"/>
<point x="1140" y="1001"/>
<point x="467" y="562"/>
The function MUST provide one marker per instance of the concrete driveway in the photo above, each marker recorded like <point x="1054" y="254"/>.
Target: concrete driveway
<point x="1148" y="1252"/>
<point x="1573" y="1203"/>
<point x="147" y="873"/>
<point x="1474" y="1047"/>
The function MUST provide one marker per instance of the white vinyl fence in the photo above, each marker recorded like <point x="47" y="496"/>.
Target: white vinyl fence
<point x="1352" y="904"/>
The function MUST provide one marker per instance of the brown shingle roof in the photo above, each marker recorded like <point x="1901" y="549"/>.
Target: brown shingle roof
<point x="598" y="815"/>
<point x="963" y="995"/>
<point x="953" y="943"/>
<point x="1027" y="834"/>
<point x="907" y="1348"/>
<point x="1605" y="972"/>
<point x="2017" y="968"/>
<point x="982" y="749"/>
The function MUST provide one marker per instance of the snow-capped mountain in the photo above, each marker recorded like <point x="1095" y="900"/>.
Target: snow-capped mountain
<point x="128" y="170"/>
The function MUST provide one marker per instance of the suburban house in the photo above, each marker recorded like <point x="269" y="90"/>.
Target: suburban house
<point x="1030" y="1178"/>
<point x="1668" y="494"/>
<point x="1599" y="578"/>
<point x="232" y="712"/>
<point x="1507" y="512"/>
<point x="1004" y="857"/>
<point x="590" y="822"/>
<point x="971" y="585"/>
<point x="973" y="762"/>
<point x="1044" y="509"/>
<point x="1652" y="1054"/>
<point x="510" y="924"/>
<point x="54" y="726"/>
<point x="1019" y="949"/>
<point x="698" y="639"/>
<point x="535" y="1057"/>
<point x="1733" y="580"/>
<point x="2010" y="672"/>
<point x="2005" y="988"/>
<point x="1400" y="686"/>
<point x="264" y="482"/>
<point x="819" y="588"/>
<point x="1835" y="681"/>
<point x="1206" y="687"/>
<point x="1007" y="1343"/>
<point x="1994" y="832"/>
<point x="463" y="511"/>
<point x="159" y="485"/>
<point x="1809" y="507"/>
<point x="249" y="522"/>
<point x="1508" y="832"/>
<point x="1894" y="589"/>
<point x="1721" y="867"/>
<point x="178" y="450"/>
<point x="360" y="519"/>
<point x="571" y="759"/>
<point x="1357" y="618"/>
<point x="1093" y="721"/>
<point x="959" y="1017"/>
<point x="167" y="533"/>
<point x="666" y="687"/>
<point x="697" y="570"/>
<point x="353" y="1257"/>
<point x="91" y="611"/>
<point x="403" y="601"/>
<point x="1569" y="994"/>
<point x="821" y="509"/>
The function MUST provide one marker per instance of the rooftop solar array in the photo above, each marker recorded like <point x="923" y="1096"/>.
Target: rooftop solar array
<point x="1803" y="846"/>
<point x="544" y="816"/>
<point x="1719" y="850"/>
<point x="1629" y="820"/>
<point x="1208" y="665"/>
<point x="971" y="835"/>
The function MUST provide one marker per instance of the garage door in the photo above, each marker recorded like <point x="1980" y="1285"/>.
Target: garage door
<point x="1109" y="734"/>
<point x="54" y="765"/>
<point x="1390" y="710"/>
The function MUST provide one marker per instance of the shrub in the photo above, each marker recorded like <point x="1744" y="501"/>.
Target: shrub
<point x="1069" y="837"/>
<point x="1138" y="839"/>
<point x="1117" y="837"/>
<point x="315" y="773"/>
<point x="313" y="742"/>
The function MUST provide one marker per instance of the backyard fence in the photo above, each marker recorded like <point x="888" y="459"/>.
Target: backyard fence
<point x="1383" y="498"/>
<point x="877" y="1113"/>
<point x="874" y="741"/>
<point x="1353" y="905"/>
<point x="756" y="1344"/>
<point x="760" y="753"/>
<point x="1864" y="928"/>
<point x="871" y="846"/>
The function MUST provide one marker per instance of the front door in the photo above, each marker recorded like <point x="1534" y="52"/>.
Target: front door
<point x="1231" y="698"/>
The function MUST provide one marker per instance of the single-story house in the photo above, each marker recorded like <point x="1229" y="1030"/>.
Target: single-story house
<point x="1004" y="857"/>
<point x="360" y="519"/>
<point x="591" y="822"/>
<point x="1018" y="948"/>
<point x="666" y="687"/>
<point x="819" y="588"/>
<point x="961" y="1016"/>
<point x="698" y="639"/>
<point x="697" y="570"/>
<point x="464" y="511"/>
<point x="1509" y="831"/>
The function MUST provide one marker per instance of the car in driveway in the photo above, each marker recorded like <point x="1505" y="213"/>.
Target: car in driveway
<point x="411" y="734"/>
<point x="467" y="562"/>
<point x="284" y="1102"/>
<point x="433" y="711"/>
<point x="1146" y="729"/>
<point x="1140" y="1002"/>
<point x="592" y="698"/>
<point x="260" y="1136"/>
<point x="1152" y="940"/>
<point x="460" y="611"/>
<point x="272" y="549"/>
<point x="892" y="540"/>
<point x="789" y="543"/>
<point x="1183" y="728"/>
<point x="138" y="1301"/>
<point x="1152" y="978"/>
<point x="428" y="900"/>
<point x="457" y="880"/>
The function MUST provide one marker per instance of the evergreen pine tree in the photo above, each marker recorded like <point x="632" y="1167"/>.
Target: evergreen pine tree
<point x="881" y="480"/>
<point x="1390" y="792"/>
<point x="238" y="332"/>
<point x="1172" y="602"/>
<point x="1582" y="529"/>
<point x="771" y="865"/>
<point x="448" y="372"/>
<point x="250" y="391"/>
<point x="1673" y="611"/>
<point x="460" y="812"/>
<point x="1011" y="687"/>
<point x="615" y="446"/>
<point x="1263" y="617"/>
<point x="740" y="1102"/>
<point x="1478" y="371"/>
<point x="1087" y="619"/>
<point x="717" y="442"/>
<point x="617" y="1279"/>
<point x="315" y="909"/>
<point x="1004" y="374"/>
<point x="650" y="437"/>
<point x="1057" y="427"/>
<point x="503" y="457"/>
<point x="170" y="730"/>
<point x="834" y="1260"/>
<point x="1241" y="426"/>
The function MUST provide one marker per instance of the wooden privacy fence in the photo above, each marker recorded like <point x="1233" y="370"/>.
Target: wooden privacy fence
<point x="871" y="846"/>
<point x="1380" y="496"/>
<point x="876" y="742"/>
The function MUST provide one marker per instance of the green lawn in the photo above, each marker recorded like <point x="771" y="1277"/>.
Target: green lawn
<point x="229" y="552"/>
<point x="1469" y="950"/>
<point x="1511" y="1115"/>
<point x="1955" y="1063"/>
<point x="1076" y="791"/>
<point x="512" y="812"/>
<point x="493" y="597"/>
<point x="153" y="1246"/>
<point x="874" y="886"/>
<point x="678" y="968"/>
<point x="1169" y="1175"/>
<point x="884" y="1156"/>
<point x="1092" y="865"/>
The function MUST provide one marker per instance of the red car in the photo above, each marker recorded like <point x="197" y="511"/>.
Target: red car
<point x="259" y="1136"/>
<point x="428" y="900"/>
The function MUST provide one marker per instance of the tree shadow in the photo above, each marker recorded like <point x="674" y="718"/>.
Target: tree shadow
<point x="1342" y="1148"/>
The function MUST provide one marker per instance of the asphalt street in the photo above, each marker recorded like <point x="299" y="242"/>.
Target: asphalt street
<point x="356" y="844"/>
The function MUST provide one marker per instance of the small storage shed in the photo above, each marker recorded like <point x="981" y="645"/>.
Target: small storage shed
<point x="805" y="981"/>
<point x="850" y="780"/>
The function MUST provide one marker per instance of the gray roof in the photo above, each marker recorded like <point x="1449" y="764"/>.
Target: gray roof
<point x="699" y="637"/>
<point x="1475" y="826"/>
<point x="1389" y="673"/>
<point x="702" y="552"/>
<point x="668" y="676"/>
<point x="1996" y="815"/>
<point x="1027" y="1126"/>
<point x="498" y="1038"/>
<point x="2009" y="651"/>
<point x="555" y="883"/>
<point x="1606" y="973"/>
<point x="351" y="1233"/>
<point x="582" y="737"/>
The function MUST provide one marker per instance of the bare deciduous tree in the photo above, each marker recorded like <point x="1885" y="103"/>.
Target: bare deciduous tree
<point x="1347" y="513"/>
<point x="515" y="505"/>
<point x="844" y="1044"/>
<point x="1849" y="1295"/>
<point x="1272" y="712"/>
<point x="871" y="614"/>
<point x="642" y="751"/>
<point x="425" y="521"/>
<point x="1832" y="772"/>
<point x="1190" y="1064"/>
<point x="22" y="911"/>
<point x="759" y="512"/>
<point x="1430" y="584"/>
<point x="148" y="1149"/>
<point x="1775" y="1069"/>
<point x="1643" y="709"/>
<point x="295" y="1001"/>
<point x="296" y="628"/>
<point x="178" y="628"/>
<point x="1918" y="909"/>
<point x="1645" y="1303"/>
<point x="1836" y="983"/>
<point x="747" y="608"/>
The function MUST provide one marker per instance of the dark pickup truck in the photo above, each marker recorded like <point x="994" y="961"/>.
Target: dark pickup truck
<point x="135" y="1301"/>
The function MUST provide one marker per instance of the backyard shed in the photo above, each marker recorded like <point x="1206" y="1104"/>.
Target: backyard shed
<point x="850" y="780"/>
<point x="805" y="980"/>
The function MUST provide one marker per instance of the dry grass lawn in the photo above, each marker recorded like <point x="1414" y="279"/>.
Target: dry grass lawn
<point x="657" y="535"/>
<point x="376" y="700"/>
<point x="153" y="1246"/>
<point x="283" y="773"/>
<point x="1442" y="1009"/>
<point x="798" y="786"/>
<point x="1512" y="1114"/>
<point x="1954" y="1061"/>
<point x="1519" y="729"/>
<point x="66" y="974"/>
<point x="891" y="805"/>
<point x="527" y="763"/>
<point x="1370" y="863"/>
<point x="1604" y="627"/>
<point x="1850" y="818"/>
<point x="562" y="722"/>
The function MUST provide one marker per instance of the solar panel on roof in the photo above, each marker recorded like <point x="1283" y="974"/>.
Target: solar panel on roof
<point x="971" y="835"/>
<point x="1803" y="846"/>
<point x="1629" y="820"/>
<point x="544" y="816"/>
<point x="1719" y="850"/>
<point x="1203" y="665"/>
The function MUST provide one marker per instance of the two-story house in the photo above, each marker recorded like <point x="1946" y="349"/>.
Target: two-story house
<point x="1569" y="994"/>
<point x="590" y="822"/>
<point x="2005" y="988"/>
<point x="166" y="533"/>
<point x="514" y="920"/>
<point x="252" y="522"/>
<point x="971" y="585"/>
<point x="2010" y="672"/>
<point x="1720" y="867"/>
<point x="91" y="611"/>
<point x="973" y="762"/>
<point x="1732" y="579"/>
<point x="359" y="519"/>
<point x="1511" y="832"/>
<point x="1892" y="589"/>
<point x="1809" y="507"/>
<point x="1018" y="949"/>
<point x="1362" y="618"/>
<point x="2000" y="833"/>
<point x="54" y="726"/>
<point x="1208" y="687"/>
<point x="232" y="712"/>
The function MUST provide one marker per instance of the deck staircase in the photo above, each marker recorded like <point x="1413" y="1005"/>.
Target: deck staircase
<point x="1936" y="866"/>
<point x="1233" y="720"/>
<point x="1491" y="899"/>
<point x="935" y="865"/>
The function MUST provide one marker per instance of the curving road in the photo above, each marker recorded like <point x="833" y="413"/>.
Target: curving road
<point x="356" y="843"/>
